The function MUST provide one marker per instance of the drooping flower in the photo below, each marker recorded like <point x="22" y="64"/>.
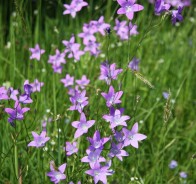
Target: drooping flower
<point x="100" y="173"/>
<point x="109" y="72"/>
<point x="25" y="98"/>
<point x="68" y="80"/>
<point x="36" y="85"/>
<point x="83" y="82"/>
<point x="116" y="151"/>
<point x="3" y="94"/>
<point x="97" y="142"/>
<point x="116" y="119"/>
<point x="173" y="164"/>
<point x="71" y="148"/>
<point x="128" y="7"/>
<point x="133" y="137"/>
<point x="36" y="52"/>
<point x="17" y="113"/>
<point x="177" y="15"/>
<point x="161" y="6"/>
<point x="39" y="140"/>
<point x="133" y="65"/>
<point x="112" y="97"/>
<point x="56" y="175"/>
<point x="93" y="157"/>
<point x="79" y="101"/>
<point x="82" y="125"/>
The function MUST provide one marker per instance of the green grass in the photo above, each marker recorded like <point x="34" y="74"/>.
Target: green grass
<point x="168" y="61"/>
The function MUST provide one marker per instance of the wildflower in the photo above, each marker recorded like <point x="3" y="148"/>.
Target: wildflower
<point x="83" y="82"/>
<point x="79" y="4"/>
<point x="121" y="29"/>
<point x="133" y="65"/>
<point x="116" y="119"/>
<point x="13" y="94"/>
<point x="68" y="81"/>
<point x="36" y="85"/>
<point x="16" y="113"/>
<point x="166" y="95"/>
<point x="71" y="148"/>
<point x="176" y="15"/>
<point x="129" y="7"/>
<point x="79" y="101"/>
<point x="36" y="52"/>
<point x="183" y="174"/>
<point x="87" y="35"/>
<point x="100" y="173"/>
<point x="3" y="94"/>
<point x="109" y="72"/>
<point x="133" y="137"/>
<point x="39" y="140"/>
<point x="82" y="125"/>
<point x="72" y="48"/>
<point x="96" y="142"/>
<point x="93" y="157"/>
<point x="100" y="25"/>
<point x="133" y="29"/>
<point x="116" y="150"/>
<point x="93" y="48"/>
<point x="56" y="175"/>
<point x="112" y="97"/>
<point x="25" y="98"/>
<point x="119" y="136"/>
<point x="161" y="6"/>
<point x="173" y="164"/>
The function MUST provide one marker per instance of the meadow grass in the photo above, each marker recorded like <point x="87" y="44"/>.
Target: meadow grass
<point x="168" y="62"/>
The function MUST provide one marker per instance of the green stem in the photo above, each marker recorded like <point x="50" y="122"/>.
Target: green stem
<point x="16" y="159"/>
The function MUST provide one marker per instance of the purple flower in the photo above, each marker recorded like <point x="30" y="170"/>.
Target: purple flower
<point x="109" y="72"/>
<point x="56" y="175"/>
<point x="3" y="94"/>
<point x="16" y="113"/>
<point x="79" y="4"/>
<point x="116" y="151"/>
<point x="183" y="174"/>
<point x="100" y="25"/>
<point x="82" y="125"/>
<point x="119" y="136"/>
<point x="56" y="61"/>
<point x="39" y="140"/>
<point x="25" y="98"/>
<point x="121" y="29"/>
<point x="166" y="95"/>
<point x="100" y="173"/>
<point x="128" y="8"/>
<point x="36" y="52"/>
<point x="178" y="3"/>
<point x="112" y="97"/>
<point x="93" y="157"/>
<point x="72" y="48"/>
<point x="173" y="164"/>
<point x="133" y="29"/>
<point x="13" y="94"/>
<point x="87" y="35"/>
<point x="79" y="101"/>
<point x="71" y="148"/>
<point x="68" y="81"/>
<point x="176" y="15"/>
<point x="70" y="9"/>
<point x="116" y="119"/>
<point x="83" y="82"/>
<point x="133" y="137"/>
<point x="96" y="142"/>
<point x="36" y="85"/>
<point x="161" y="6"/>
<point x="133" y="65"/>
<point x="93" y="48"/>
